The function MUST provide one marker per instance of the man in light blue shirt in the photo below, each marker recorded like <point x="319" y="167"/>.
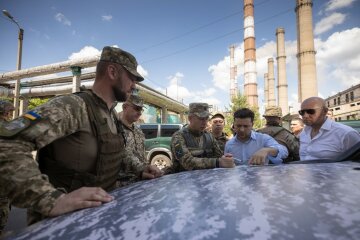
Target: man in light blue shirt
<point x="250" y="147"/>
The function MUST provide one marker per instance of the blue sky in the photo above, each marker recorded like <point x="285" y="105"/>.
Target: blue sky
<point x="182" y="46"/>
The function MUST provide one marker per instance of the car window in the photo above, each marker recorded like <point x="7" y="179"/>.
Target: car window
<point x="168" y="130"/>
<point x="149" y="130"/>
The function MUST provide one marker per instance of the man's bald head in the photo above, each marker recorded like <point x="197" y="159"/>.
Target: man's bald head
<point x="314" y="102"/>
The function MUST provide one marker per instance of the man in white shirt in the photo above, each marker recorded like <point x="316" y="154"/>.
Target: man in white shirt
<point x="323" y="138"/>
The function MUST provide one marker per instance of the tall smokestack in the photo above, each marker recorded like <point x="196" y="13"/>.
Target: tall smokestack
<point x="271" y="79"/>
<point x="281" y="71"/>
<point x="266" y="89"/>
<point x="250" y="84"/>
<point x="233" y="80"/>
<point x="306" y="54"/>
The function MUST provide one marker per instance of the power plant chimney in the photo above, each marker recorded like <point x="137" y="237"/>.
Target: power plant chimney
<point x="281" y="71"/>
<point x="307" y="82"/>
<point x="233" y="80"/>
<point x="271" y="79"/>
<point x="250" y="84"/>
<point x="266" y="89"/>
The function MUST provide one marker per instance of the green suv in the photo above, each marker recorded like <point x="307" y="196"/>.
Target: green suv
<point x="157" y="143"/>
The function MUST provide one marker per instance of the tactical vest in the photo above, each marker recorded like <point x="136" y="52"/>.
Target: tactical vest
<point x="274" y="132"/>
<point x="110" y="146"/>
<point x="206" y="151"/>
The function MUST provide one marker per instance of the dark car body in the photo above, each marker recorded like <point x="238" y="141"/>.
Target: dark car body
<point x="157" y="143"/>
<point x="355" y="124"/>
<point x="292" y="201"/>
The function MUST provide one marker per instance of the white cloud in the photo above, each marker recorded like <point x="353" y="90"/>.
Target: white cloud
<point x="62" y="19"/>
<point x="338" y="59"/>
<point x="337" y="4"/>
<point x="179" y="92"/>
<point x="85" y="52"/>
<point x="107" y="18"/>
<point x="221" y="71"/>
<point x="329" y="22"/>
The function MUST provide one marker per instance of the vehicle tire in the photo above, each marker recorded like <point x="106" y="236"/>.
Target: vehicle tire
<point x="161" y="161"/>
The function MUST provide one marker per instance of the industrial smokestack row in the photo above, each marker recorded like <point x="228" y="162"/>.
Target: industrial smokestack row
<point x="266" y="89"/>
<point x="306" y="54"/>
<point x="250" y="84"/>
<point x="271" y="80"/>
<point x="233" y="80"/>
<point x="282" y="86"/>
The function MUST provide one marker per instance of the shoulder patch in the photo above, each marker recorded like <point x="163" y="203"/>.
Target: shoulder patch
<point x="10" y="129"/>
<point x="178" y="150"/>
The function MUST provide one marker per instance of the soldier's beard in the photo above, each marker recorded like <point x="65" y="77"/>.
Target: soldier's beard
<point x="120" y="95"/>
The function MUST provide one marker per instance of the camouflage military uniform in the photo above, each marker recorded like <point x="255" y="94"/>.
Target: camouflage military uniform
<point x="192" y="158"/>
<point x="222" y="141"/>
<point x="64" y="123"/>
<point x="135" y="140"/>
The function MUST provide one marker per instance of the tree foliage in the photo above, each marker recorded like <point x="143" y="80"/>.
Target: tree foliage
<point x="238" y="102"/>
<point x="34" y="102"/>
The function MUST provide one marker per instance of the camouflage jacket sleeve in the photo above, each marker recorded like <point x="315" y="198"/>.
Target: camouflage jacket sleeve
<point x="131" y="163"/>
<point x="19" y="174"/>
<point x="187" y="161"/>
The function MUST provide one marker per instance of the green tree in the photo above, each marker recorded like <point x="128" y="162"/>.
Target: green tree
<point x="34" y="102"/>
<point x="238" y="102"/>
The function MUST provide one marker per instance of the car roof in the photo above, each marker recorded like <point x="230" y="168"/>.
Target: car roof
<point x="299" y="201"/>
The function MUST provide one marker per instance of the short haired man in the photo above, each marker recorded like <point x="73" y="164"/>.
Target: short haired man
<point x="193" y="147"/>
<point x="135" y="138"/>
<point x="217" y="126"/>
<point x="323" y="138"/>
<point x="251" y="147"/>
<point x="6" y="109"/>
<point x="283" y="136"/>
<point x="296" y="126"/>
<point x="80" y="142"/>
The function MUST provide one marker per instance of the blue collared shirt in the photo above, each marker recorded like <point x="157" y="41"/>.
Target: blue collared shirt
<point x="244" y="150"/>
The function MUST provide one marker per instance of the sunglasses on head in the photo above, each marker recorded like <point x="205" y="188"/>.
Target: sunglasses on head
<point x="310" y="111"/>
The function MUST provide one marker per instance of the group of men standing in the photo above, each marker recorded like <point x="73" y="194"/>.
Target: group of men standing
<point x="86" y="150"/>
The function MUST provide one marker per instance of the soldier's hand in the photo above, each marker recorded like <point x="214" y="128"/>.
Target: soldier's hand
<point x="151" y="171"/>
<point x="226" y="161"/>
<point x="84" y="197"/>
<point x="259" y="157"/>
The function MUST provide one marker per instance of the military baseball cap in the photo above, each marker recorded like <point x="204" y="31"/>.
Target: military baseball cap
<point x="199" y="109"/>
<point x="273" y="111"/>
<point x="6" y="106"/>
<point x="125" y="59"/>
<point x="217" y="115"/>
<point x="136" y="100"/>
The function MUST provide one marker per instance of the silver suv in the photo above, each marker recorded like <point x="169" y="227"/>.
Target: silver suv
<point x="157" y="142"/>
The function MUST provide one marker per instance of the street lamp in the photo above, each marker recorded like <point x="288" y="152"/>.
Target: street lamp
<point x="17" y="84"/>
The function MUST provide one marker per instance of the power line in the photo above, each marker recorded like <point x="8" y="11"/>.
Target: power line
<point x="213" y="39"/>
<point x="196" y="29"/>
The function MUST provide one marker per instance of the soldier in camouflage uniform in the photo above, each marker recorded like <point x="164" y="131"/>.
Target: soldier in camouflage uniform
<point x="80" y="141"/>
<point x="135" y="138"/>
<point x="217" y="127"/>
<point x="194" y="148"/>
<point x="281" y="135"/>
<point x="6" y="109"/>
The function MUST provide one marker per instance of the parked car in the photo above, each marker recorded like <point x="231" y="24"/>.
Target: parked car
<point x="289" y="201"/>
<point x="355" y="124"/>
<point x="157" y="143"/>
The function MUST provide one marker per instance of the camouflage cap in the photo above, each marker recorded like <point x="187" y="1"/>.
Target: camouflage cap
<point x="273" y="111"/>
<point x="199" y="109"/>
<point x="119" y="56"/>
<point x="136" y="100"/>
<point x="6" y="106"/>
<point x="217" y="115"/>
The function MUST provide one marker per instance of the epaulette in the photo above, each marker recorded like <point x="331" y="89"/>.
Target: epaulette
<point x="12" y="128"/>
